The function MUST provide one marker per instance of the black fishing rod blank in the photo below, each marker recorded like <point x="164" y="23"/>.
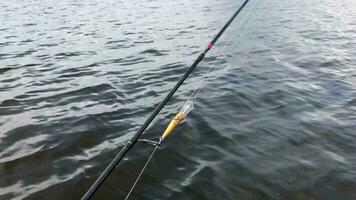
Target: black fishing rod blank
<point x="99" y="181"/>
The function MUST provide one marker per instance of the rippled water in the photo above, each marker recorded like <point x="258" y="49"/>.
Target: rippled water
<point x="276" y="119"/>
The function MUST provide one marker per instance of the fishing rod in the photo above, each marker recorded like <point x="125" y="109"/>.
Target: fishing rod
<point x="179" y="117"/>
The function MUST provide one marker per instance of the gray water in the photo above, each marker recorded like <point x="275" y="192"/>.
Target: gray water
<point x="275" y="119"/>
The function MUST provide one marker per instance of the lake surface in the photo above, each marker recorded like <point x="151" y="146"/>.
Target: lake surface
<point x="275" y="118"/>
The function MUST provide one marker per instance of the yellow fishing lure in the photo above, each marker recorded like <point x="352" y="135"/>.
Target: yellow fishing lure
<point x="187" y="107"/>
<point x="175" y="121"/>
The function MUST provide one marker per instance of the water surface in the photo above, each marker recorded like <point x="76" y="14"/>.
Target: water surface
<point x="275" y="119"/>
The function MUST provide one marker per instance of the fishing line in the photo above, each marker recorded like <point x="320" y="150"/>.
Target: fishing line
<point x="256" y="14"/>
<point x="142" y="170"/>
<point x="212" y="67"/>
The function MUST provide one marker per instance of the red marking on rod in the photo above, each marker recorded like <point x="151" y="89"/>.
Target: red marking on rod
<point x="210" y="45"/>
